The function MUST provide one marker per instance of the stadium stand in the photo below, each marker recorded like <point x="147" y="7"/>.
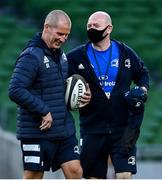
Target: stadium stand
<point x="13" y="36"/>
<point x="137" y="23"/>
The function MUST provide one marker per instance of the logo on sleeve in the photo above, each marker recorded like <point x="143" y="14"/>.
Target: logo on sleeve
<point x="127" y="63"/>
<point x="132" y="160"/>
<point x="76" y="149"/>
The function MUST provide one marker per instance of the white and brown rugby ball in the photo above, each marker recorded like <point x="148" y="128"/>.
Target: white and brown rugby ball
<point x="76" y="87"/>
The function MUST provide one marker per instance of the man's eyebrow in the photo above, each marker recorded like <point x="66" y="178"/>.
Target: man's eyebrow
<point x="95" y="24"/>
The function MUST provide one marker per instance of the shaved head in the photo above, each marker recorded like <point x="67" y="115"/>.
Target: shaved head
<point x="99" y="28"/>
<point x="55" y="16"/>
<point x="56" y="29"/>
<point x="100" y="16"/>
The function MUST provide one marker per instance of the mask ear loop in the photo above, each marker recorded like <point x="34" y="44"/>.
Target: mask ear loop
<point x="105" y="30"/>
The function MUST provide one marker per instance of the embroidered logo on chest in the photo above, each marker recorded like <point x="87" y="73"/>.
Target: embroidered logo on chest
<point x="46" y="62"/>
<point x="80" y="66"/>
<point x="115" y="63"/>
<point x="64" y="58"/>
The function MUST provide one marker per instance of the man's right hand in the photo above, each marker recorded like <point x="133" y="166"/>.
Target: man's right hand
<point x="46" y="122"/>
<point x="86" y="97"/>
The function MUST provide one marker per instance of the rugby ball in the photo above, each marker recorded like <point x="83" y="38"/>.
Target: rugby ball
<point x="75" y="88"/>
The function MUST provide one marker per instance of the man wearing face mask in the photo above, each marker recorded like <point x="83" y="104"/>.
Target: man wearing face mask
<point x="110" y="123"/>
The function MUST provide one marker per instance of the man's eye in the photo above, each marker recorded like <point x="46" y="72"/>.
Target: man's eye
<point x="96" y="26"/>
<point x="60" y="34"/>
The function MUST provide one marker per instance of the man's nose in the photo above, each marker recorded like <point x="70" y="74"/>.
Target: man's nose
<point x="63" y="38"/>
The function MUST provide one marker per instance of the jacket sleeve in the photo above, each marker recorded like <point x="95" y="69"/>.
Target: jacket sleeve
<point x="140" y="71"/>
<point x="24" y="74"/>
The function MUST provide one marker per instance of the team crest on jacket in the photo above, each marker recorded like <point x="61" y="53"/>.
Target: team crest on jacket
<point x="46" y="62"/>
<point x="127" y="63"/>
<point x="115" y="63"/>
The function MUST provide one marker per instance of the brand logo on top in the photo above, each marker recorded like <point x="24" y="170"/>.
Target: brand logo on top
<point x="46" y="62"/>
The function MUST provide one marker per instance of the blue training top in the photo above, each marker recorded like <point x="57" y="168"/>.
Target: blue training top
<point x="106" y="65"/>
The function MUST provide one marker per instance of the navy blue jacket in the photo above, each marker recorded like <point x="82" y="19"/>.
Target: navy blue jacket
<point x="103" y="115"/>
<point x="38" y="87"/>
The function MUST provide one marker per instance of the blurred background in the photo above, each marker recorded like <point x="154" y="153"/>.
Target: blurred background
<point x="137" y="23"/>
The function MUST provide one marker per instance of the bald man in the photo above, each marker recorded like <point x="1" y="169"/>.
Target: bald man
<point x="45" y="126"/>
<point x="110" y="123"/>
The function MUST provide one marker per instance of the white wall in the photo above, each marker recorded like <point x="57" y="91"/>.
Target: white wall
<point x="10" y="159"/>
<point x="11" y="163"/>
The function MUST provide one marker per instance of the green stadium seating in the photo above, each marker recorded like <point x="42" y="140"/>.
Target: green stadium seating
<point x="137" y="23"/>
<point x="4" y="74"/>
<point x="7" y="65"/>
<point x="4" y="32"/>
<point x="13" y="36"/>
<point x="7" y="20"/>
<point x="146" y="137"/>
<point x="1" y="42"/>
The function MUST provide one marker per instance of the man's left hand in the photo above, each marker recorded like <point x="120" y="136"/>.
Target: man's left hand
<point x="46" y="122"/>
<point x="136" y="97"/>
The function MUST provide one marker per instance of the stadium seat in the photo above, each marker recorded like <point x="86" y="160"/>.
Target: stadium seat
<point x="146" y="137"/>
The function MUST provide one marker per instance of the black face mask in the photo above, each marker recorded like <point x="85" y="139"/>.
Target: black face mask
<point x="95" y="35"/>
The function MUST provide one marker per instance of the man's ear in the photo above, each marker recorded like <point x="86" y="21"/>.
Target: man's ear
<point x="46" y="26"/>
<point x="109" y="28"/>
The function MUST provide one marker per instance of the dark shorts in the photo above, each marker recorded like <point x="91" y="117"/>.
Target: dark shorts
<point x="95" y="150"/>
<point x="41" y="155"/>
